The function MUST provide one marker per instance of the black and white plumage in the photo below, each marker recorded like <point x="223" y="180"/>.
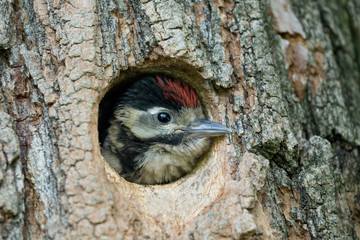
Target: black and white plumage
<point x="157" y="132"/>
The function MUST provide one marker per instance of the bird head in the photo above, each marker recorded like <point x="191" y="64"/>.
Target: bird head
<point x="158" y="131"/>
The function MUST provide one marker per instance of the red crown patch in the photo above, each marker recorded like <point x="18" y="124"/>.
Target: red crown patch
<point x="179" y="92"/>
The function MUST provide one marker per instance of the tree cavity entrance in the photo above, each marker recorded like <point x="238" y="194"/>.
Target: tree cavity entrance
<point x="152" y="129"/>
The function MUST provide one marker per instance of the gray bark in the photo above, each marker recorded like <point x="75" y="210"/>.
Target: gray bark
<point x="283" y="75"/>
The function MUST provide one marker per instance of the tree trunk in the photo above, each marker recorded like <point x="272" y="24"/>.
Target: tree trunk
<point x="283" y="75"/>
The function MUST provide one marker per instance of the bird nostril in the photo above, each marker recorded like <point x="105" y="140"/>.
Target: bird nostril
<point x="179" y="131"/>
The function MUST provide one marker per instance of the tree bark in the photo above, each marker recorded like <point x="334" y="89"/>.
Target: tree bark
<point x="283" y="75"/>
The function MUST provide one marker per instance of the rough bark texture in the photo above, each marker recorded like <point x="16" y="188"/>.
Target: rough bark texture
<point x="283" y="75"/>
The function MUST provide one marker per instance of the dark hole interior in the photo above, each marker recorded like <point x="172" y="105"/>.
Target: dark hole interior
<point x="109" y="102"/>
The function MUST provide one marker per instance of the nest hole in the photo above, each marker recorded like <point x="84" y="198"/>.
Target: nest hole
<point x="109" y="104"/>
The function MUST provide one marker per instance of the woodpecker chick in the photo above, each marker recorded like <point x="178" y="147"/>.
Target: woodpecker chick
<point x="158" y="131"/>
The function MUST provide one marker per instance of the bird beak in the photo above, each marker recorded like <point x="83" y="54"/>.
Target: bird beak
<point x="204" y="128"/>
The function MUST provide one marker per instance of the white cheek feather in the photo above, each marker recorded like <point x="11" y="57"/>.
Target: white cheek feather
<point x="143" y="132"/>
<point x="131" y="118"/>
<point x="132" y="122"/>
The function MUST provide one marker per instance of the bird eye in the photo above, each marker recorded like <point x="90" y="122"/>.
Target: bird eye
<point x="164" y="117"/>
